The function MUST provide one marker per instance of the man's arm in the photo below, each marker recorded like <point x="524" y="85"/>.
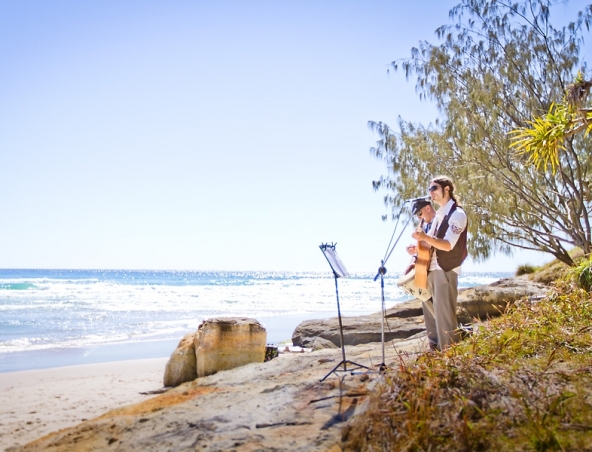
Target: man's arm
<point x="456" y="224"/>
<point x="440" y="244"/>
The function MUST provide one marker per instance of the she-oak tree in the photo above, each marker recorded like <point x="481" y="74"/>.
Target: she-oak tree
<point x="499" y="65"/>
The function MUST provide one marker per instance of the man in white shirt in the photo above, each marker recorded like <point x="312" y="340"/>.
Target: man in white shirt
<point x="448" y="237"/>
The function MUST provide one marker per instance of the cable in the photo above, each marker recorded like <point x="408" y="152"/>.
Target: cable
<point x="389" y="249"/>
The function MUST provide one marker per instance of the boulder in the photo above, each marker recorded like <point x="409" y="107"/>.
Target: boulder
<point x="318" y="343"/>
<point x="356" y="330"/>
<point x="226" y="343"/>
<point x="181" y="367"/>
<point x="492" y="300"/>
<point x="405" y="319"/>
<point x="405" y="310"/>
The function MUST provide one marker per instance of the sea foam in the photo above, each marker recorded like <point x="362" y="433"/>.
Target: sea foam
<point x="41" y="309"/>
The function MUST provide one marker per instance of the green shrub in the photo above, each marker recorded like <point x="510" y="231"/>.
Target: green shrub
<point x="526" y="269"/>
<point x="582" y="273"/>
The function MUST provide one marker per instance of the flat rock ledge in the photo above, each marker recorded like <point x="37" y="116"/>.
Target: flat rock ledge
<point x="363" y="329"/>
<point x="405" y="320"/>
<point x="492" y="300"/>
<point x="279" y="405"/>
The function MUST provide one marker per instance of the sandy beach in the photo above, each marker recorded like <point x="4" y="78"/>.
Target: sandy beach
<point x="37" y="402"/>
<point x="283" y="404"/>
<point x="47" y="390"/>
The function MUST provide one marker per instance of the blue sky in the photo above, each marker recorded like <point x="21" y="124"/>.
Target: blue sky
<point x="203" y="135"/>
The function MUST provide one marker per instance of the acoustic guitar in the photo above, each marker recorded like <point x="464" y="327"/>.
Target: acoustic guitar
<point x="422" y="263"/>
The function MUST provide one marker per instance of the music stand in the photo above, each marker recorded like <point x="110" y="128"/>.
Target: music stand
<point x="338" y="272"/>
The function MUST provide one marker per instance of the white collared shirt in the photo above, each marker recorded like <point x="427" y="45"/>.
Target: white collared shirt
<point x="456" y="225"/>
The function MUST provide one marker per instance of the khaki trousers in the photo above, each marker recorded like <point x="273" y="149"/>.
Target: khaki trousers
<point x="441" y="327"/>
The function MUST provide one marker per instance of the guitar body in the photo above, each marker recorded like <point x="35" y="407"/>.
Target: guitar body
<point x="422" y="264"/>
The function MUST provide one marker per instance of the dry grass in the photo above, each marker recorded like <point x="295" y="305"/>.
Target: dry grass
<point x="555" y="269"/>
<point x="523" y="382"/>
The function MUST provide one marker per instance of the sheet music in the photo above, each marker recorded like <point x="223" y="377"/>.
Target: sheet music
<point x="334" y="261"/>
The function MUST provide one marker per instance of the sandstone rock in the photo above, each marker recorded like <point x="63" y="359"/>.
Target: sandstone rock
<point x="320" y="343"/>
<point x="181" y="367"/>
<point x="493" y="299"/>
<point x="226" y="343"/>
<point x="278" y="406"/>
<point x="411" y="308"/>
<point x="406" y="319"/>
<point x="356" y="330"/>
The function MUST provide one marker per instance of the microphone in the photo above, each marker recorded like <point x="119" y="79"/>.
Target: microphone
<point x="421" y="198"/>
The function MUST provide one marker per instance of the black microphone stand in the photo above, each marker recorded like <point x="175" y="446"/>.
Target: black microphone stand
<point x="381" y="273"/>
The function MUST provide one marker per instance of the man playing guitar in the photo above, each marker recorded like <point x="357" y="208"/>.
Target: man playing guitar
<point x="425" y="212"/>
<point x="448" y="237"/>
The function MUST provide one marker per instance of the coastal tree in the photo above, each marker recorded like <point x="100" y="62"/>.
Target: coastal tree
<point x="498" y="66"/>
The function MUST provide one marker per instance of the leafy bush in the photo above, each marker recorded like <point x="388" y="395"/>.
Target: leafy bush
<point x="582" y="273"/>
<point x="525" y="269"/>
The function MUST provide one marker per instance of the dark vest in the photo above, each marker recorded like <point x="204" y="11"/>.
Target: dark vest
<point x="448" y="260"/>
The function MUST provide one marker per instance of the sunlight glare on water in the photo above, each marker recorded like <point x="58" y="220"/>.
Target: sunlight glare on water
<point x="72" y="308"/>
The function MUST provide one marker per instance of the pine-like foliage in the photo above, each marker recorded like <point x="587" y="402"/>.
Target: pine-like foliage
<point x="498" y="66"/>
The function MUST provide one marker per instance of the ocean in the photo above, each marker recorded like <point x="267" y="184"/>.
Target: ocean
<point x="60" y="317"/>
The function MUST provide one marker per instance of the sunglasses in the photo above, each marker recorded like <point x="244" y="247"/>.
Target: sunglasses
<point x="433" y="188"/>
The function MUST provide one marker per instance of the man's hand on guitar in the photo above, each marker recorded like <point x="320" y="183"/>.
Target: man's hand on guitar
<point x="419" y="235"/>
<point x="412" y="250"/>
<point x="425" y="245"/>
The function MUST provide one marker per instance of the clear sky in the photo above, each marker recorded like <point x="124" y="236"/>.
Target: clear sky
<point x="203" y="135"/>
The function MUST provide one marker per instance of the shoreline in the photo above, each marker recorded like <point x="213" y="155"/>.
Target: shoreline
<point x="41" y="401"/>
<point x="20" y="348"/>
<point x="259" y="405"/>
<point x="279" y="330"/>
<point x="81" y="399"/>
<point x="48" y="390"/>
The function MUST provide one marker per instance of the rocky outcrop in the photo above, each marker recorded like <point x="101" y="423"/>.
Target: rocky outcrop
<point x="181" y="366"/>
<point x="280" y="405"/>
<point x="226" y="343"/>
<point x="406" y="319"/>
<point x="218" y="344"/>
<point x="402" y="321"/>
<point x="492" y="300"/>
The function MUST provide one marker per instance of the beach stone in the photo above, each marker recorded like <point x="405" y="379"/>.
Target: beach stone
<point x="492" y="300"/>
<point x="405" y="319"/>
<point x="181" y="366"/>
<point x="356" y="330"/>
<point x="226" y="343"/>
<point x="319" y="343"/>
<point x="405" y="310"/>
